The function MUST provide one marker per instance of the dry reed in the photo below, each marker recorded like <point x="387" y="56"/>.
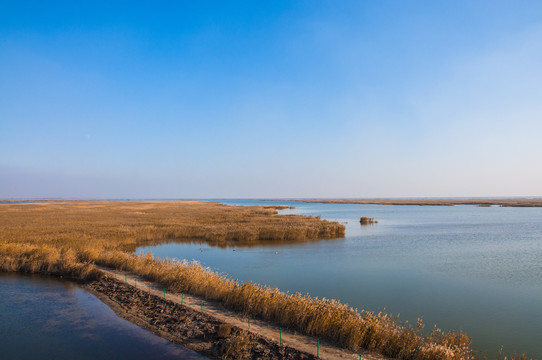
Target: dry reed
<point x="69" y="238"/>
<point x="364" y="220"/>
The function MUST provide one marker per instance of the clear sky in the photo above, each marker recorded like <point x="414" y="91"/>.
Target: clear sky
<point x="270" y="98"/>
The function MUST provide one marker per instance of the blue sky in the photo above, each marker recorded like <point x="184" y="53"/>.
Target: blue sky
<point x="270" y="99"/>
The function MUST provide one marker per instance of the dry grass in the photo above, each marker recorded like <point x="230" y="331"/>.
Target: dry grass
<point x="237" y="347"/>
<point x="68" y="238"/>
<point x="364" y="220"/>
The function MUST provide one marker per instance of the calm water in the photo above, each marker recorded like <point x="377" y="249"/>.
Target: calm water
<point x="44" y="318"/>
<point x="467" y="268"/>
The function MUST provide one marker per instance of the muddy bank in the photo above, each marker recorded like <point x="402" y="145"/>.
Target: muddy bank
<point x="187" y="327"/>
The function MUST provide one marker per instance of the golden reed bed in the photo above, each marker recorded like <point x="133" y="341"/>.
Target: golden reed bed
<point x="69" y="238"/>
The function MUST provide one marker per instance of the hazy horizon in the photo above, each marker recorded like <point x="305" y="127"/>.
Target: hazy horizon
<point x="307" y="99"/>
<point x="272" y="199"/>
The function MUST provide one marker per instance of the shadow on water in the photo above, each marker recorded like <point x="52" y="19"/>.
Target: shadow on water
<point x="230" y="244"/>
<point x="43" y="317"/>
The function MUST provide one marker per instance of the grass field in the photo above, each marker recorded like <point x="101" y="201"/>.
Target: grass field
<point x="69" y="238"/>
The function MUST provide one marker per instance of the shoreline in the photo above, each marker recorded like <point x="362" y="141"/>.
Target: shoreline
<point x="184" y="326"/>
<point x="212" y="331"/>
<point x="69" y="239"/>
<point x="483" y="202"/>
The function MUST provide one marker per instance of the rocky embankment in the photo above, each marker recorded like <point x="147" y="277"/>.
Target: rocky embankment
<point x="187" y="327"/>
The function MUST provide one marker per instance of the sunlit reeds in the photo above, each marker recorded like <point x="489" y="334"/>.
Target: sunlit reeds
<point x="69" y="238"/>
<point x="364" y="220"/>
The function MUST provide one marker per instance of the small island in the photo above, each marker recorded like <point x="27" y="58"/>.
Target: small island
<point x="364" y="220"/>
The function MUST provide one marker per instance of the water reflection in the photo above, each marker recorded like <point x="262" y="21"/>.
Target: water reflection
<point x="469" y="268"/>
<point x="238" y="244"/>
<point x="42" y="317"/>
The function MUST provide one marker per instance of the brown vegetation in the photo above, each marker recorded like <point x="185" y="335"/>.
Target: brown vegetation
<point x="69" y="238"/>
<point x="364" y="220"/>
<point x="278" y="207"/>
<point x="193" y="329"/>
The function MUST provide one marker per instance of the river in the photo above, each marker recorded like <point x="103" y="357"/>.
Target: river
<point x="47" y="318"/>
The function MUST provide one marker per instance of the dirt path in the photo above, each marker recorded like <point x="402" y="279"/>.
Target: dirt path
<point x="304" y="344"/>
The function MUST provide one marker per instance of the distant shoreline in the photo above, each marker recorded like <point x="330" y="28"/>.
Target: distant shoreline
<point x="504" y="202"/>
<point x="484" y="202"/>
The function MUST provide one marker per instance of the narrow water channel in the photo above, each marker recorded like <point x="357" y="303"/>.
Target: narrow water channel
<point x="46" y="318"/>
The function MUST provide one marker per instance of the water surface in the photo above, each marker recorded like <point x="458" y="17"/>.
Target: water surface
<point x="45" y="318"/>
<point x="469" y="268"/>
